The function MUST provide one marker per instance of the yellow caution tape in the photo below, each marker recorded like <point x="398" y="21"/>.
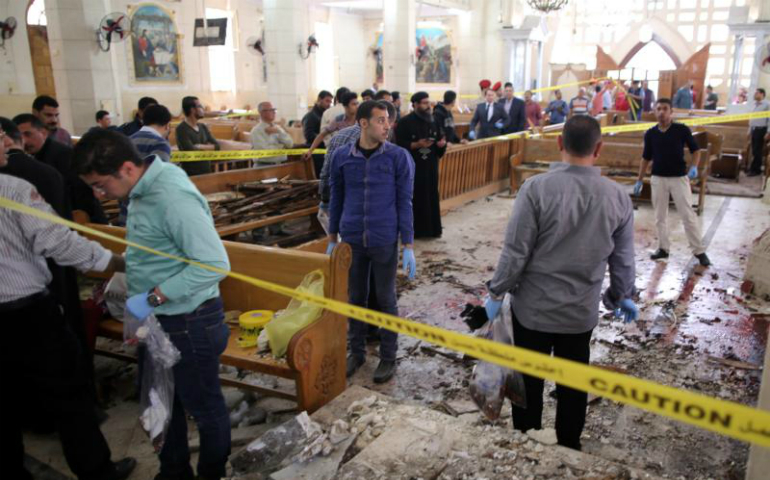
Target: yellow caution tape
<point x="547" y="89"/>
<point x="218" y="155"/>
<point x="250" y="113"/>
<point x="721" y="416"/>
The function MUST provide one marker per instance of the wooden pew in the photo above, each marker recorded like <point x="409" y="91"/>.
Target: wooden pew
<point x="315" y="358"/>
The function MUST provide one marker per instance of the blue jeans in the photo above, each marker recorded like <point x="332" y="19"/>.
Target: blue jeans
<point x="382" y="262"/>
<point x="201" y="336"/>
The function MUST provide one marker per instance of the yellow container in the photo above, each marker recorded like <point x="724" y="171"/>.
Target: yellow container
<point x="251" y="324"/>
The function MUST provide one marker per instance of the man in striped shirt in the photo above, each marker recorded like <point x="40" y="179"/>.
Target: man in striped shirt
<point x="152" y="138"/>
<point x="579" y="105"/>
<point x="53" y="370"/>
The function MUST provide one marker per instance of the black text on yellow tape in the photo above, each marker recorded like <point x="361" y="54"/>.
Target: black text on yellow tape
<point x="720" y="416"/>
<point x="218" y="155"/>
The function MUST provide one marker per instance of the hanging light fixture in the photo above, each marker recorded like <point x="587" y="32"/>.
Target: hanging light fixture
<point x="547" y="6"/>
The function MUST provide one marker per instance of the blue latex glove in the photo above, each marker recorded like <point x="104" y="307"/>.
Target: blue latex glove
<point x="323" y="206"/>
<point x="492" y="307"/>
<point x="410" y="263"/>
<point x="627" y="310"/>
<point x="472" y="135"/>
<point x="693" y="173"/>
<point x="499" y="124"/>
<point x="138" y="307"/>
<point x="330" y="247"/>
<point x="638" y="188"/>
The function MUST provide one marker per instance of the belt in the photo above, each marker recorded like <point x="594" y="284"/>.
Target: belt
<point x="23" y="302"/>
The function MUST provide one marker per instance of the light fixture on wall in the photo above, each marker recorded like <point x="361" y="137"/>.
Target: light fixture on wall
<point x="547" y="6"/>
<point x="7" y="29"/>
<point x="306" y="50"/>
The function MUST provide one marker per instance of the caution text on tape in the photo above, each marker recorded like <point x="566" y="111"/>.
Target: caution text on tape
<point x="217" y="155"/>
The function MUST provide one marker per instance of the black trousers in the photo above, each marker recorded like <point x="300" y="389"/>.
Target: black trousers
<point x="41" y="359"/>
<point x="571" y="404"/>
<point x="757" y="148"/>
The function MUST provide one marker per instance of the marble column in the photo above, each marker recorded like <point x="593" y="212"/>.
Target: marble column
<point x="399" y="43"/>
<point x="287" y="73"/>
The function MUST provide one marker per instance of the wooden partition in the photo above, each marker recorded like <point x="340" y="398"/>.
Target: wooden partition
<point x="471" y="171"/>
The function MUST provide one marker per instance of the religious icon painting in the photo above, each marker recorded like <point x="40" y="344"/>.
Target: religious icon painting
<point x="155" y="55"/>
<point x="433" y="56"/>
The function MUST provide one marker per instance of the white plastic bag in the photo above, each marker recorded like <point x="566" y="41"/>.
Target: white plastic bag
<point x="115" y="295"/>
<point x="158" y="360"/>
<point x="491" y="383"/>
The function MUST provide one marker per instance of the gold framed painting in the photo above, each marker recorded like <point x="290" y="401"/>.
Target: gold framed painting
<point x="155" y="56"/>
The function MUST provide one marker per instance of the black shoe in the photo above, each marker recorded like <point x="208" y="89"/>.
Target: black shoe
<point x="704" y="260"/>
<point x="123" y="468"/>
<point x="384" y="371"/>
<point x="659" y="253"/>
<point x="354" y="363"/>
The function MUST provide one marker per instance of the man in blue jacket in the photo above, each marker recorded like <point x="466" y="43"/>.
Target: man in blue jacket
<point x="370" y="206"/>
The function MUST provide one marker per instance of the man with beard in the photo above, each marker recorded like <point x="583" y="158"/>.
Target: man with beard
<point x="47" y="110"/>
<point x="418" y="133"/>
<point x="195" y="136"/>
<point x="44" y="148"/>
<point x="311" y="125"/>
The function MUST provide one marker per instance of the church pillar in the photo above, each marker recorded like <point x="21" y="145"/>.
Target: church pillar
<point x="82" y="72"/>
<point x="287" y="73"/>
<point x="736" y="71"/>
<point x="398" y="46"/>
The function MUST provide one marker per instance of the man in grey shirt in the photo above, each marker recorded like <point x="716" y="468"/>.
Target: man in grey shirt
<point x="566" y="227"/>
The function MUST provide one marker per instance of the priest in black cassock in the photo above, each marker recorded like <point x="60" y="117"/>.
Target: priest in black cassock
<point x="418" y="133"/>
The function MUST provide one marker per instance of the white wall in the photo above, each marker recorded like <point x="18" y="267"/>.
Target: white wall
<point x="351" y="45"/>
<point x="17" y="82"/>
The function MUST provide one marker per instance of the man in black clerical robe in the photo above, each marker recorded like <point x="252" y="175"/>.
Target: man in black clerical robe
<point x="425" y="140"/>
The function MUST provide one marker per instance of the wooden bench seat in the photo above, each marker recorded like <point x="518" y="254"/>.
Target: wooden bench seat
<point x="315" y="357"/>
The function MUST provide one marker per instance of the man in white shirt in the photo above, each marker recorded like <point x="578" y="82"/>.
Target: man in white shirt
<point x="267" y="135"/>
<point x="338" y="109"/>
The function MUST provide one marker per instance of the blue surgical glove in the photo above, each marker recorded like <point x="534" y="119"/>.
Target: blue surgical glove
<point x="324" y="206"/>
<point x="693" y="173"/>
<point x="627" y="310"/>
<point x="138" y="307"/>
<point x="499" y="124"/>
<point x="492" y="307"/>
<point x="638" y="188"/>
<point x="472" y="135"/>
<point x="410" y="263"/>
<point x="330" y="247"/>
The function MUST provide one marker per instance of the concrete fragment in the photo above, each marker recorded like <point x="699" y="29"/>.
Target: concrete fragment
<point x="318" y="468"/>
<point x="265" y="454"/>
<point x="546" y="436"/>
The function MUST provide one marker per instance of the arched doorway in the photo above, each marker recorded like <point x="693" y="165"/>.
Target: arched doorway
<point x="37" y="31"/>
<point x="647" y="60"/>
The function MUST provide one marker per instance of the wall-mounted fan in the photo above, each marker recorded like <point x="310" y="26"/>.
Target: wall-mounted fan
<point x="255" y="45"/>
<point x="7" y="29"/>
<point x="764" y="58"/>
<point x="308" y="48"/>
<point x="112" y="29"/>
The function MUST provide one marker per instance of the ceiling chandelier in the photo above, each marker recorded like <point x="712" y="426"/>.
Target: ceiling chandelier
<point x="547" y="6"/>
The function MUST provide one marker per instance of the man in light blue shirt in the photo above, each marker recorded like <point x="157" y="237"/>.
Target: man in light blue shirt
<point x="166" y="212"/>
<point x="683" y="96"/>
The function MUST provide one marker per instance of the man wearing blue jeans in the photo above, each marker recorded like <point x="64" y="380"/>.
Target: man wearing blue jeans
<point x="370" y="206"/>
<point x="167" y="213"/>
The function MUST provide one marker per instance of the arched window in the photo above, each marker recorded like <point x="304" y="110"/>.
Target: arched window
<point x="646" y="64"/>
<point x="36" y="13"/>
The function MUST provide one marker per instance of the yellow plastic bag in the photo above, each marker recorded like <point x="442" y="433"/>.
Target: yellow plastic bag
<point x="296" y="316"/>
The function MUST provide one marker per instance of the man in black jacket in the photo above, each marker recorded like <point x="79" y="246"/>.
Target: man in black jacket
<point x="59" y="156"/>
<point x="489" y="116"/>
<point x="311" y="126"/>
<point x="515" y="109"/>
<point x="130" y="128"/>
<point x="445" y="120"/>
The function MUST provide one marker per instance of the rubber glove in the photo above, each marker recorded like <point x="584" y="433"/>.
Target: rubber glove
<point x="410" y="263"/>
<point x="638" y="188"/>
<point x="499" y="124"/>
<point x="492" y="307"/>
<point x="330" y="247"/>
<point x="627" y="310"/>
<point x="138" y="307"/>
<point x="693" y="173"/>
<point x="472" y="134"/>
<point x="324" y="206"/>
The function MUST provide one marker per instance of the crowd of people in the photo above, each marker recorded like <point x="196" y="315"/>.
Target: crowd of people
<point x="379" y="192"/>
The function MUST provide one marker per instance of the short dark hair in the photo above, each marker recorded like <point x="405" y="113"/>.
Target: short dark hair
<point x="598" y="88"/>
<point x="23" y="118"/>
<point x="391" y="108"/>
<point x="709" y="86"/>
<point x="381" y="94"/>
<point x="101" y="114"/>
<point x="103" y="152"/>
<point x="340" y="93"/>
<point x="395" y="95"/>
<point x="634" y="82"/>
<point x="145" y="102"/>
<point x="156" y="115"/>
<point x="188" y="103"/>
<point x="10" y="129"/>
<point x="665" y="100"/>
<point x="323" y="94"/>
<point x="367" y="93"/>
<point x="348" y="97"/>
<point x="44" y="101"/>
<point x="581" y="134"/>
<point x="508" y="84"/>
<point x="762" y="91"/>
<point x="366" y="109"/>
<point x="449" y="97"/>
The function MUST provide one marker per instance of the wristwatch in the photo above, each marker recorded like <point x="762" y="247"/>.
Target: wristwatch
<point x="154" y="299"/>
